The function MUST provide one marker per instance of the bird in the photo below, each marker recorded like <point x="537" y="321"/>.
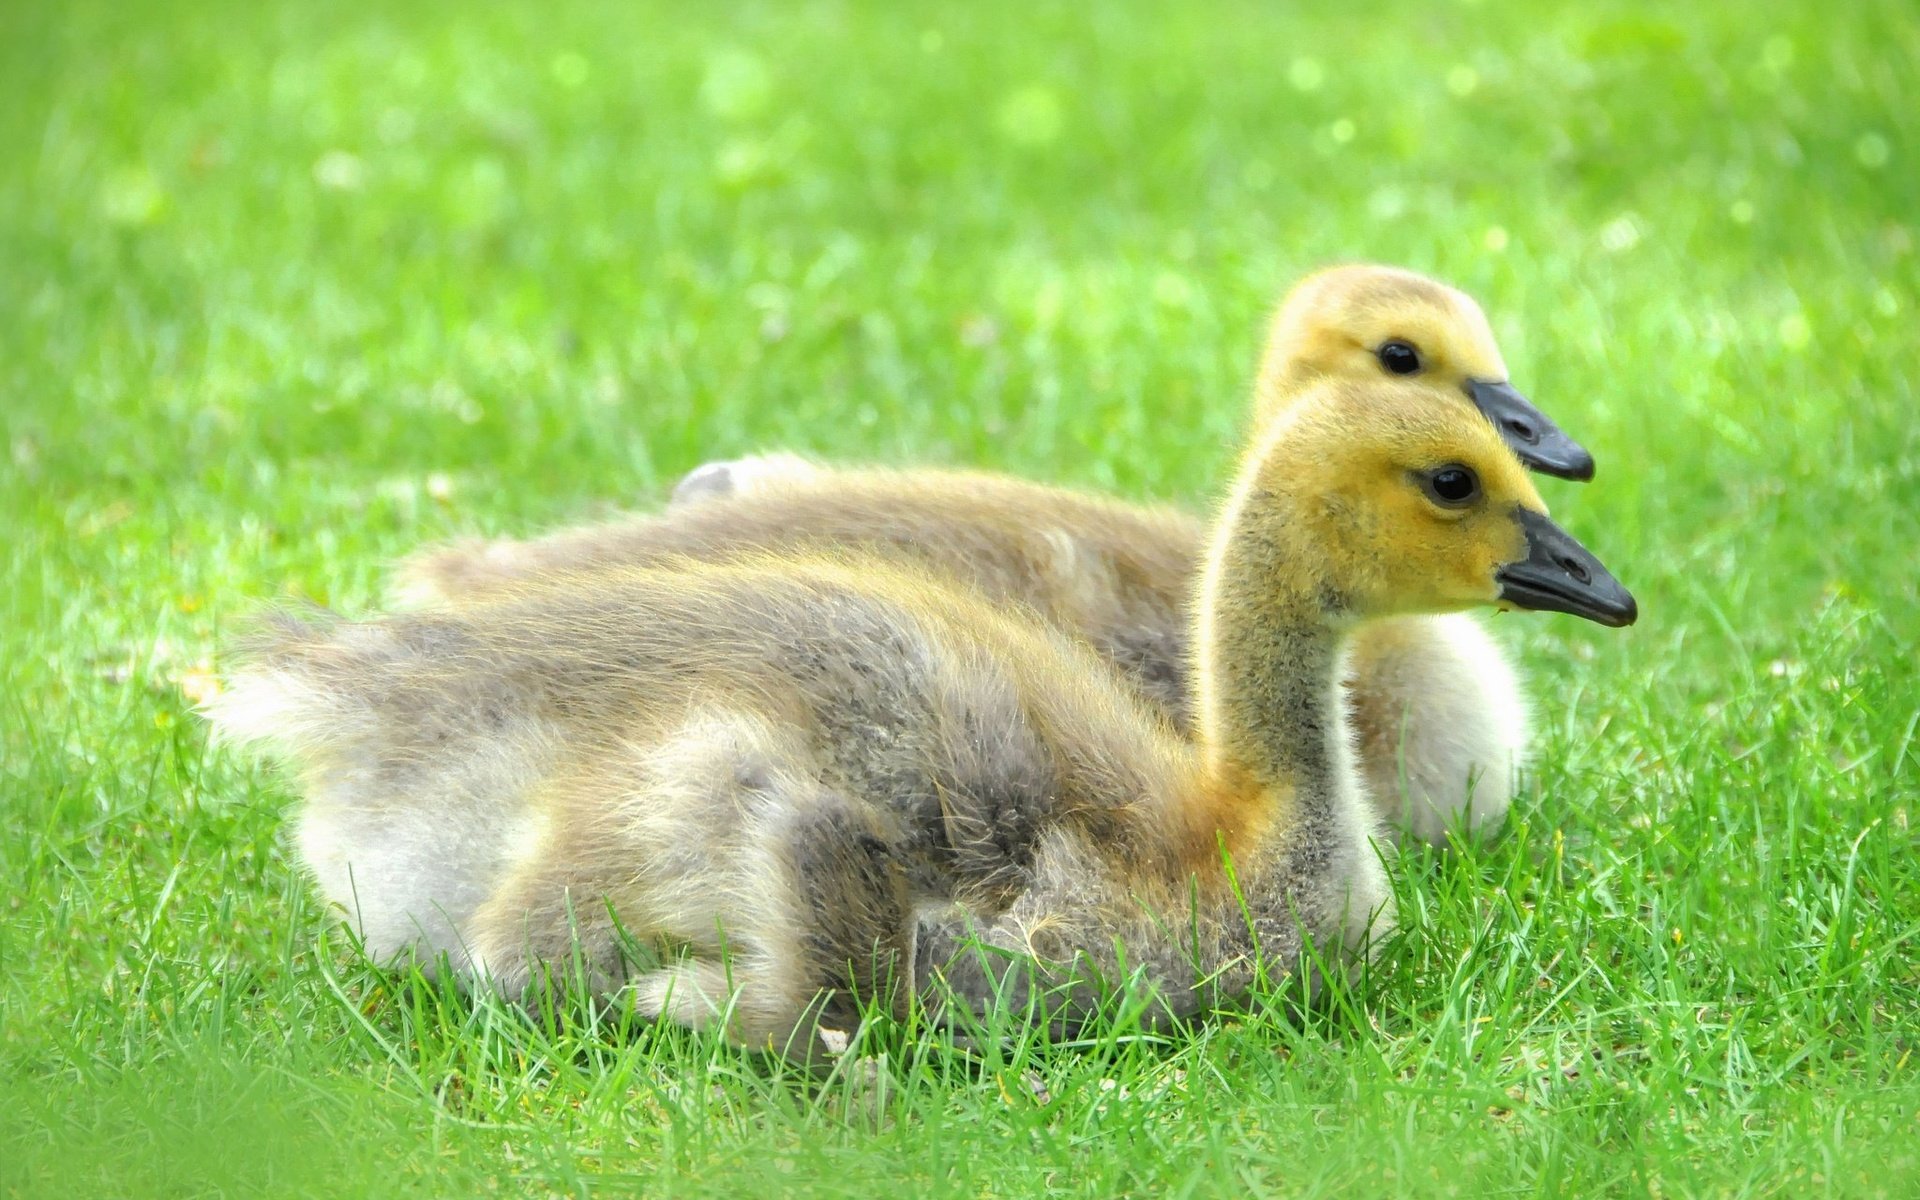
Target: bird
<point x="769" y="792"/>
<point x="1439" y="710"/>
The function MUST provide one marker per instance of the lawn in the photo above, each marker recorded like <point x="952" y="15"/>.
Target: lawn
<point x="287" y="290"/>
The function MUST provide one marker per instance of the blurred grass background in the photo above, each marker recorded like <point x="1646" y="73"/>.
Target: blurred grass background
<point x="286" y="290"/>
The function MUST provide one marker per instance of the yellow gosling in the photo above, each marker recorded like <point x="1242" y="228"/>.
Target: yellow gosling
<point x="798" y="781"/>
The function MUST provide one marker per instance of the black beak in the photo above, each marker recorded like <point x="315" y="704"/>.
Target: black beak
<point x="1561" y="575"/>
<point x="1537" y="441"/>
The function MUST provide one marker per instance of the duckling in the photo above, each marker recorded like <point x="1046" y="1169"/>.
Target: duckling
<point x="1439" y="710"/>
<point x="798" y="782"/>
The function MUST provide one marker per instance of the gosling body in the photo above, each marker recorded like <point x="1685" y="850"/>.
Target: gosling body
<point x="1438" y="712"/>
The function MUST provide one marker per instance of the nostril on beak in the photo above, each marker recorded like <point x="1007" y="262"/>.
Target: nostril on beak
<point x="1576" y="568"/>
<point x="1522" y="430"/>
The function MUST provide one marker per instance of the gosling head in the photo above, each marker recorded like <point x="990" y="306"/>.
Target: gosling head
<point x="1420" y="507"/>
<point x="1366" y="322"/>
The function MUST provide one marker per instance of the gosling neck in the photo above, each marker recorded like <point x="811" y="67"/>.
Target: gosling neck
<point x="1270" y="628"/>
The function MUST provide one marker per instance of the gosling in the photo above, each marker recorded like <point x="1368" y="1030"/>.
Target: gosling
<point x="800" y="784"/>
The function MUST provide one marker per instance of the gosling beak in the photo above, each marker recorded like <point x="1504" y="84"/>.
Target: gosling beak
<point x="1535" y="439"/>
<point x="1560" y="575"/>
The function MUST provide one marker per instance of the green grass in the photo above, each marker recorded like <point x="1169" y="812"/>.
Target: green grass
<point x="287" y="290"/>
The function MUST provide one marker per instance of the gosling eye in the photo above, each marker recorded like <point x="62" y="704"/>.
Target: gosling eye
<point x="1398" y="357"/>
<point x="1451" y="486"/>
